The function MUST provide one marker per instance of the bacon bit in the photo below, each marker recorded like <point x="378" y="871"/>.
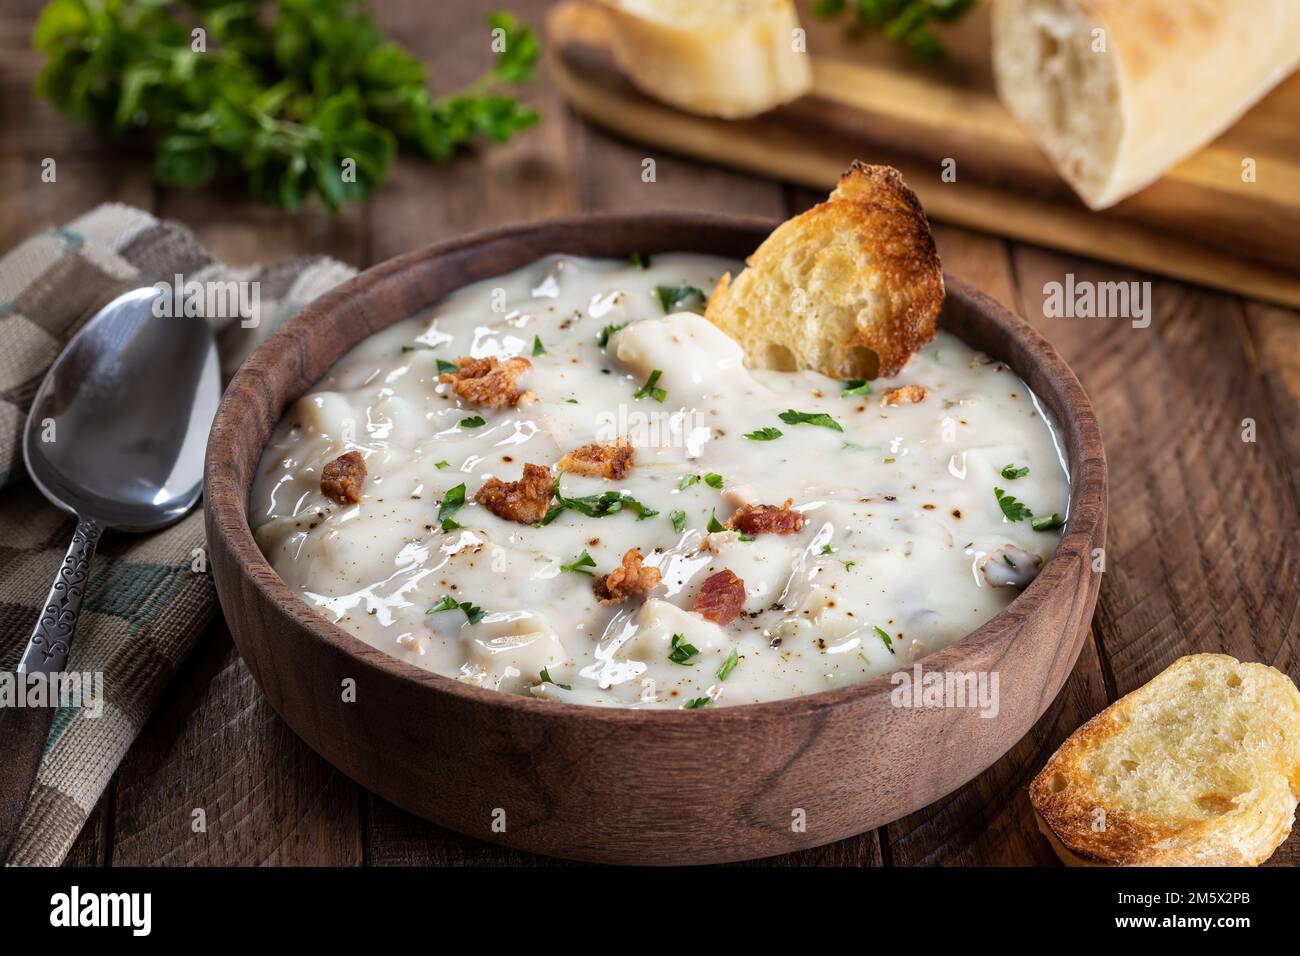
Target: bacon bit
<point x="488" y="381"/>
<point x="903" y="395"/>
<point x="344" y="477"/>
<point x="766" y="519"/>
<point x="597" y="460"/>
<point x="721" y="597"/>
<point x="525" y="501"/>
<point x="630" y="580"/>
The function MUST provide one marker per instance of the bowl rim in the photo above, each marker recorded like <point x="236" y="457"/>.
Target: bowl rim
<point x="227" y="504"/>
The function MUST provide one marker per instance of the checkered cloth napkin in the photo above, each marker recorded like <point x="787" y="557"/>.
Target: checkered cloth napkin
<point x="144" y="605"/>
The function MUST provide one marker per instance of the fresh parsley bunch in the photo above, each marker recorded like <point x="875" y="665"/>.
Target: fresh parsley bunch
<point x="906" y="21"/>
<point x="303" y="96"/>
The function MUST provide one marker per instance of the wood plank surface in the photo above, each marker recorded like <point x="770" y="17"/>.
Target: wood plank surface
<point x="1204" y="547"/>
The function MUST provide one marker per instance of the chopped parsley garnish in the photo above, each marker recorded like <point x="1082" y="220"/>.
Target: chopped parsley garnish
<point x="473" y="613"/>
<point x="679" y="521"/>
<point x="1007" y="559"/>
<point x="442" y="464"/>
<point x="538" y="347"/>
<point x="827" y="549"/>
<point x="848" y="565"/>
<point x="651" y="389"/>
<point x="672" y="298"/>
<point x="597" y="506"/>
<point x="791" y="417"/>
<point x="451" y="503"/>
<point x="765" y="434"/>
<point x="681" y="652"/>
<point x="580" y="564"/>
<point x="714" y="524"/>
<point x="447" y="368"/>
<point x="639" y="260"/>
<point x="603" y="338"/>
<point x="687" y="481"/>
<point x="1046" y="522"/>
<point x="1013" y="509"/>
<point x="728" y="665"/>
<point x="474" y="421"/>
<point x="697" y="702"/>
<point x="418" y="348"/>
<point x="855" y="386"/>
<point x="1011" y="472"/>
<point x="884" y="636"/>
<point x="713" y="480"/>
<point x="546" y="679"/>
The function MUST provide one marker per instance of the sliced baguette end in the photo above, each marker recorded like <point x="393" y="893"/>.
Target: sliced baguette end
<point x="1199" y="767"/>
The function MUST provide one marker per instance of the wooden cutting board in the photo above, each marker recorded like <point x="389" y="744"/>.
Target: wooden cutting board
<point x="1201" y="222"/>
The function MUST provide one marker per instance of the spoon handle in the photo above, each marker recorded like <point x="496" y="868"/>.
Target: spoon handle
<point x="25" y="729"/>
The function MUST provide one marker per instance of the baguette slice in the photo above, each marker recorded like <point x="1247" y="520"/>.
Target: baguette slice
<point x="1172" y="76"/>
<point x="851" y="288"/>
<point x="1199" y="767"/>
<point x="729" y="58"/>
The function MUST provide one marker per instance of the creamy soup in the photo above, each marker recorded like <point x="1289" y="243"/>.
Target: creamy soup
<point x="733" y="535"/>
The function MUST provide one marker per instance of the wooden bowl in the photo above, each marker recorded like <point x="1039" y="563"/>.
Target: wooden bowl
<point x="616" y="785"/>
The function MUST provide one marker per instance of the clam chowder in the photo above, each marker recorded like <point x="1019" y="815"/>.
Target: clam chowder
<point x="564" y="482"/>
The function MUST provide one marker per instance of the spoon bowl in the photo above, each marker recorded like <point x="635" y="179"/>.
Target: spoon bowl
<point x="117" y="430"/>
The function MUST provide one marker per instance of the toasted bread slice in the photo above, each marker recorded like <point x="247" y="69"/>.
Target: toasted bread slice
<point x="851" y="288"/>
<point x="1199" y="767"/>
<point x="729" y="58"/>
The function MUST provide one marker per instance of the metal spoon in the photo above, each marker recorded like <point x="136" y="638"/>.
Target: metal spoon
<point x="116" y="436"/>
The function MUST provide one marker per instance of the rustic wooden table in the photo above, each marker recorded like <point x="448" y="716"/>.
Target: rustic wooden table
<point x="1204" y="549"/>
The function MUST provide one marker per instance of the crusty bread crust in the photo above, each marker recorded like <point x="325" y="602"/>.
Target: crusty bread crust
<point x="852" y="287"/>
<point x="1227" y="800"/>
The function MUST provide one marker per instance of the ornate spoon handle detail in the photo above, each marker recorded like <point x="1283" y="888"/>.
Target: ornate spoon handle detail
<point x="47" y="650"/>
<point x="24" y="730"/>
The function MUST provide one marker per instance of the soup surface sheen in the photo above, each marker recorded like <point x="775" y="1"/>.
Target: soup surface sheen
<point x="904" y="547"/>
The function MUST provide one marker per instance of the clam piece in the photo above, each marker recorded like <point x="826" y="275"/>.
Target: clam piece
<point x="1010" y="567"/>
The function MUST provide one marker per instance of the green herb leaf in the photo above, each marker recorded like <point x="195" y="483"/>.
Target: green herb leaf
<point x="687" y="481"/>
<point x="884" y="636"/>
<point x="447" y="368"/>
<point x="908" y="22"/>
<point x="474" y="421"/>
<point x="855" y="386"/>
<point x="597" y="506"/>
<point x="651" y="389"/>
<point x="729" y="665"/>
<point x="714" y="525"/>
<point x="713" y="480"/>
<point x="677" y="298"/>
<point x="1013" y="509"/>
<point x="765" y="434"/>
<point x="639" y="260"/>
<point x="473" y="613"/>
<point x="538" y="347"/>
<point x="697" y="702"/>
<point x="679" y="521"/>
<point x="452" y="502"/>
<point x="603" y="338"/>
<point x="1047" y="522"/>
<point x="546" y="679"/>
<point x="681" y="652"/>
<point x="1011" y="472"/>
<point x="441" y="465"/>
<point x="580" y="564"/>
<point x="791" y="417"/>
